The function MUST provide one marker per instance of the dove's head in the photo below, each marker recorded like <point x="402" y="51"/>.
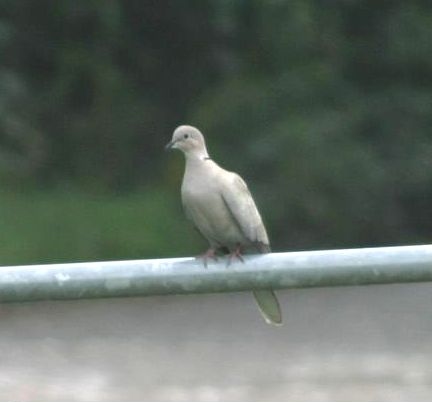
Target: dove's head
<point x="190" y="141"/>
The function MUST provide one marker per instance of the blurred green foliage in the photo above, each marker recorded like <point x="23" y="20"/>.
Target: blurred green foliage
<point x="44" y="227"/>
<point x="329" y="101"/>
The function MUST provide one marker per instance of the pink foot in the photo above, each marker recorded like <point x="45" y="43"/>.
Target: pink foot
<point x="209" y="254"/>
<point x="237" y="253"/>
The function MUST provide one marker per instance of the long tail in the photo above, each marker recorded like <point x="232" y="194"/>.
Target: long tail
<point x="269" y="306"/>
<point x="267" y="301"/>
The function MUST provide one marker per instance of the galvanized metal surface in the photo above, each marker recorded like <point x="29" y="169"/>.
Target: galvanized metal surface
<point x="188" y="275"/>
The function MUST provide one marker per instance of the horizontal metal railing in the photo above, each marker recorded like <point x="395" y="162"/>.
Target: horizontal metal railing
<point x="188" y="275"/>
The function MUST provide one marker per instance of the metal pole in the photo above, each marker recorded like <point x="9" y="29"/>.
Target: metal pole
<point x="188" y="275"/>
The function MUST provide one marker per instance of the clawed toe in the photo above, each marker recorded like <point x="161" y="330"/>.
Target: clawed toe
<point x="209" y="254"/>
<point x="237" y="253"/>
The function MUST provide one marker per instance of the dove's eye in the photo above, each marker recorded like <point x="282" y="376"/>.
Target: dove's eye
<point x="186" y="136"/>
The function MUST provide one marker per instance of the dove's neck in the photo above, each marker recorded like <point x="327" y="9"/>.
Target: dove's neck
<point x="197" y="163"/>
<point x="196" y="156"/>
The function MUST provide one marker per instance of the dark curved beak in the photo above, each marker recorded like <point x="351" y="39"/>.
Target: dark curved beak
<point x="169" y="145"/>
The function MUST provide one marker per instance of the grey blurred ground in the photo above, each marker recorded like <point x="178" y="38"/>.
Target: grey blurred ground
<point x="369" y="344"/>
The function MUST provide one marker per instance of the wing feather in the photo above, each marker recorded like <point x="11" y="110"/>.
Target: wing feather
<point x="242" y="207"/>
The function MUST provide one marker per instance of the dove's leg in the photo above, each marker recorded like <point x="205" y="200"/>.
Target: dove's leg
<point x="210" y="253"/>
<point x="236" y="253"/>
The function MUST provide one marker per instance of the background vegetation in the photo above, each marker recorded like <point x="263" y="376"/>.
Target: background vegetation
<point x="324" y="107"/>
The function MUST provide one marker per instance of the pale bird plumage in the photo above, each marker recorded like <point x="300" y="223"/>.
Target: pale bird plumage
<point x="221" y="207"/>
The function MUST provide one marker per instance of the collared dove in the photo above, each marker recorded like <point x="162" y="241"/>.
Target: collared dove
<point x="220" y="205"/>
